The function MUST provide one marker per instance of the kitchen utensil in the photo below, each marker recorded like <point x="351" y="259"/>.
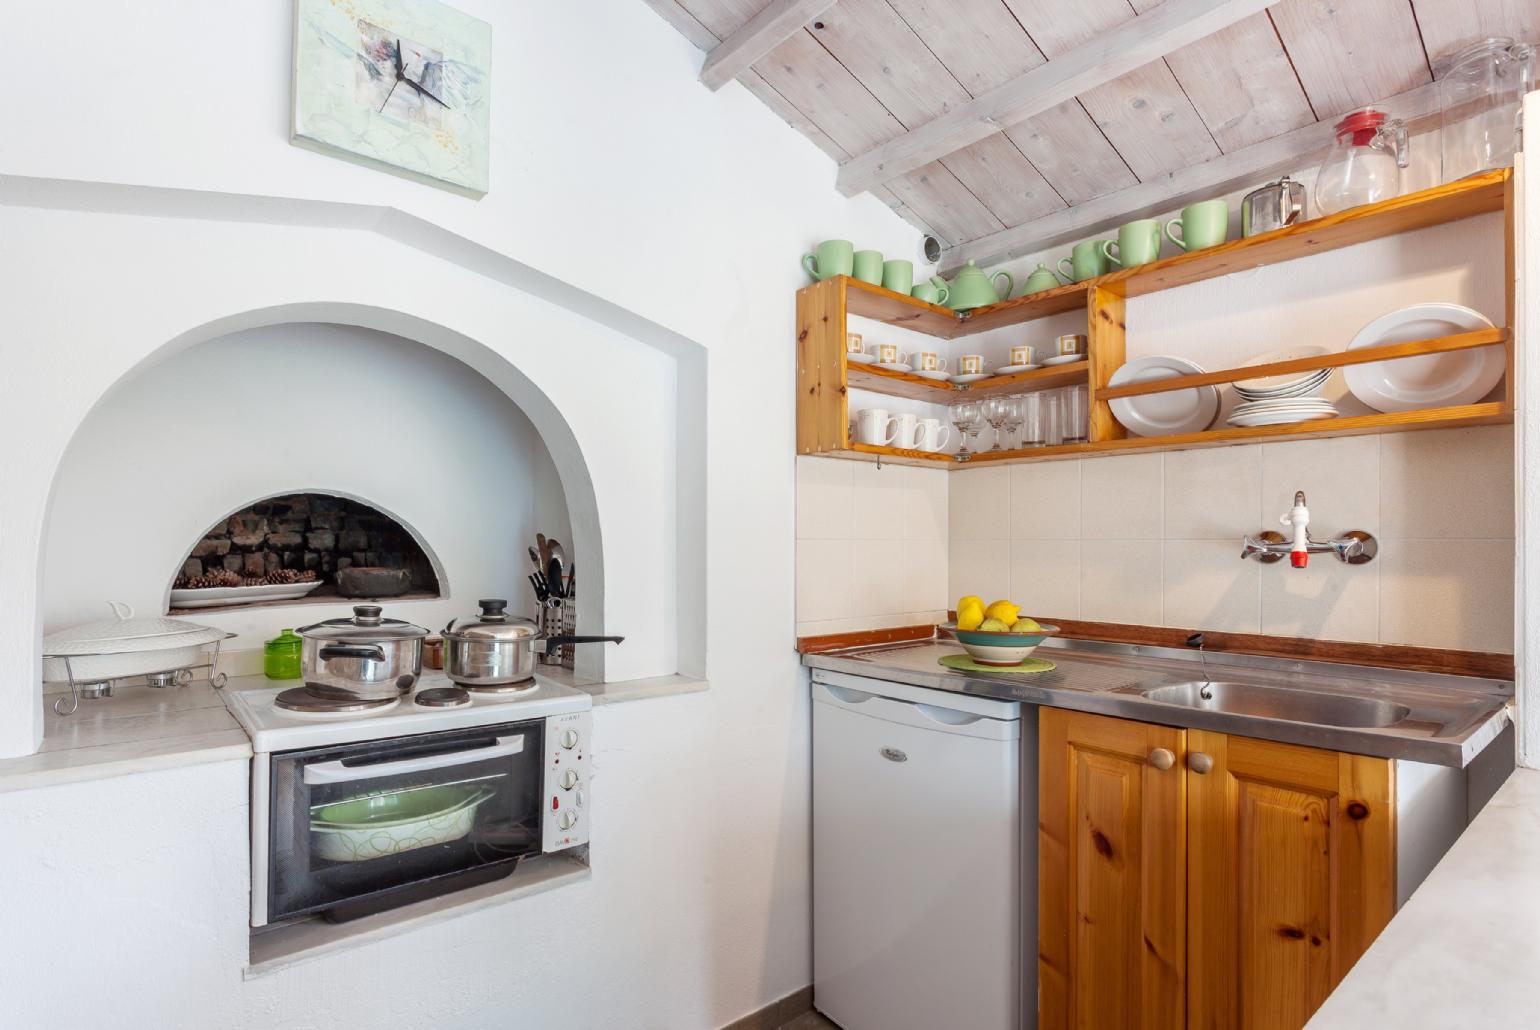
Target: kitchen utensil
<point x="1010" y="370"/>
<point x="1272" y="206"/>
<point x="1138" y="243"/>
<point x="1364" y="163"/>
<point x="866" y="266"/>
<point x="372" y="581"/>
<point x="905" y="423"/>
<point x="994" y="411"/>
<point x="967" y="377"/>
<point x="366" y="657"/>
<point x="935" y="291"/>
<point x="972" y="288"/>
<point x="1021" y="354"/>
<point x="545" y="551"/>
<point x="1086" y="261"/>
<point x="280" y="656"/>
<point x="1160" y="414"/>
<point x="873" y="426"/>
<point x="1034" y="427"/>
<point x="964" y="415"/>
<point x="1270" y="413"/>
<point x="1290" y="383"/>
<point x="853" y="344"/>
<point x="1063" y="359"/>
<point x="898" y="275"/>
<point x="1042" y="278"/>
<point x="1427" y="380"/>
<point x="970" y="364"/>
<point x="1204" y="224"/>
<point x="999" y="649"/>
<point x="1053" y="418"/>
<point x="931" y="435"/>
<point x="556" y="550"/>
<point x="889" y="354"/>
<point x="390" y="824"/>
<point x="928" y="361"/>
<point x="828" y="259"/>
<point x="1069" y="344"/>
<point x="495" y="648"/>
<point x="211" y="597"/>
<point x="1074" y="405"/>
<point x="124" y="646"/>
<point x="534" y="559"/>
<point x="1479" y="90"/>
<point x="553" y="578"/>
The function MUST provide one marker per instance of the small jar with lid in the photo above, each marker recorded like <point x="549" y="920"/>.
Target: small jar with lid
<point x="1364" y="163"/>
<point x="281" y="656"/>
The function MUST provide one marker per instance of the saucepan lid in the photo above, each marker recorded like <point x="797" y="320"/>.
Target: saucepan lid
<point x="493" y="624"/>
<point x="367" y="624"/>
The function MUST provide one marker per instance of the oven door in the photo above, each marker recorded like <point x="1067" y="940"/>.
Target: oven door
<point x="359" y="827"/>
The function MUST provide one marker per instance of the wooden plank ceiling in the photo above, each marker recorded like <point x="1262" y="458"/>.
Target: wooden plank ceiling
<point x="863" y="73"/>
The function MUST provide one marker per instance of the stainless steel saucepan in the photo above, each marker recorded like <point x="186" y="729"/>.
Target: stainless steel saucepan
<point x="367" y="657"/>
<point x="498" y="649"/>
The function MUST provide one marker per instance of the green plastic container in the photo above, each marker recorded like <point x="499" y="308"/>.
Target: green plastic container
<point x="280" y="656"/>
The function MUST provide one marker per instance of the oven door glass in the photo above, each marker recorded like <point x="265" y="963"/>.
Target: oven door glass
<point x="361" y="827"/>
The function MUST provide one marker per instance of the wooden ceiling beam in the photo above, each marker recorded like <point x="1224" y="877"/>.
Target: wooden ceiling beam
<point x="1115" y="53"/>
<point x="768" y="29"/>
<point x="1249" y="166"/>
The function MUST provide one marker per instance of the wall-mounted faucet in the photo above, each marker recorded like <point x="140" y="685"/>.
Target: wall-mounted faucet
<point x="1354" y="547"/>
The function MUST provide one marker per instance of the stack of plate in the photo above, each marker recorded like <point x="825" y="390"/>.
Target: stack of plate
<point x="1293" y="397"/>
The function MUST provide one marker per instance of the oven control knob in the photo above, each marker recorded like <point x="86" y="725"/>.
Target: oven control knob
<point x="566" y="819"/>
<point x="568" y="739"/>
<point x="569" y="779"/>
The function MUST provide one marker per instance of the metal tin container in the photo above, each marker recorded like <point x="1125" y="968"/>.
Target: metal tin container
<point x="1272" y="206"/>
<point x="367" y="657"/>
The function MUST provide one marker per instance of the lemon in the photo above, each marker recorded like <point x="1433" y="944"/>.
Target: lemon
<point x="968" y="601"/>
<point x="1025" y="626"/>
<point x="970" y="617"/>
<point x="1005" y="611"/>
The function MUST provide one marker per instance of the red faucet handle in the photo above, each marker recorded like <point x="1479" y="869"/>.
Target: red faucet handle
<point x="1299" y="559"/>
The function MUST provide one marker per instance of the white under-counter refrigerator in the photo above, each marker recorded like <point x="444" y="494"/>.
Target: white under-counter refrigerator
<point x="924" y="857"/>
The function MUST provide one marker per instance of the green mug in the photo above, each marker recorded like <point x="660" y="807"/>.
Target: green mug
<point x="1204" y="224"/>
<point x="1086" y="261"/>
<point x="898" y="275"/>
<point x="867" y="266"/>
<point x="931" y="292"/>
<point x="1138" y="243"/>
<point x="829" y="259"/>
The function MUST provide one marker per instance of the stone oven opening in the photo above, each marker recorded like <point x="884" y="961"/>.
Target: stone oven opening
<point x="302" y="548"/>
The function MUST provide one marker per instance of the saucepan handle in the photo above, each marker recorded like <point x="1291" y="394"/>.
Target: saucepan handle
<point x="371" y="652"/>
<point x="552" y="643"/>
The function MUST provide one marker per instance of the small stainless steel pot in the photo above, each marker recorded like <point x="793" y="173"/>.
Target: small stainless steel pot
<point x="497" y="649"/>
<point x="366" y="657"/>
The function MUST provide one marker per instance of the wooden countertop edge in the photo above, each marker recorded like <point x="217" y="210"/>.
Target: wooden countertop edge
<point x="1485" y="664"/>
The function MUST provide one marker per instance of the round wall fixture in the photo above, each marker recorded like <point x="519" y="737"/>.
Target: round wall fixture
<point x="930" y="249"/>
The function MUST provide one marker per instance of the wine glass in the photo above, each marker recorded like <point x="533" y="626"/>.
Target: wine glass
<point x="994" y="412"/>
<point x="965" y="416"/>
<point x="1015" y="414"/>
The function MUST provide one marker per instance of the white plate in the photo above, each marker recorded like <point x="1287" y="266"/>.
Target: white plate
<point x="1006" y="370"/>
<point x="1310" y="384"/>
<point x="1278" y="418"/>
<point x="1276" y="385"/>
<point x="210" y="596"/>
<point x="894" y="366"/>
<point x="1064" y="359"/>
<point x="1160" y="414"/>
<point x="1286" y="402"/>
<point x="1428" y="380"/>
<point x="942" y="376"/>
<point x="972" y="377"/>
<point x="860" y="359"/>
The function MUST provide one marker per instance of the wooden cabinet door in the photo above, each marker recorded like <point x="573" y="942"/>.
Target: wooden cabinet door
<point x="1290" y="875"/>
<point x="1111" y="875"/>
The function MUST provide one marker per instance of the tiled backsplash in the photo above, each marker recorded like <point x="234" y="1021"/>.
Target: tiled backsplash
<point x="871" y="545"/>
<point x="1155" y="539"/>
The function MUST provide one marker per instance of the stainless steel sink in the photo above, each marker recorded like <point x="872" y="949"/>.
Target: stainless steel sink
<point x="1281" y="703"/>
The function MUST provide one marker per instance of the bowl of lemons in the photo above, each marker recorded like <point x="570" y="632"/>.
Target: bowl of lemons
<point x="996" y="634"/>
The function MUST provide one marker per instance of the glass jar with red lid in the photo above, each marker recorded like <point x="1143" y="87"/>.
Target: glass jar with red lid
<point x="1364" y="163"/>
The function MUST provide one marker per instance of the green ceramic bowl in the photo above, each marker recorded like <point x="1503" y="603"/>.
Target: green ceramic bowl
<point x="1000" y="649"/>
<point x="373" y="827"/>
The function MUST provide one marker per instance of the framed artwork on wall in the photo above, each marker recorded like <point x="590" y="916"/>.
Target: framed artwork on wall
<point x="400" y="85"/>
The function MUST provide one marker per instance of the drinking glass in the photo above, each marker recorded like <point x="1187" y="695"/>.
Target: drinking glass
<point x="1032" y="420"/>
<point x="965" y="416"/>
<point x="994" y="412"/>
<point x="1074" y="413"/>
<point x="1013" y="414"/>
<point x="1053" y="419"/>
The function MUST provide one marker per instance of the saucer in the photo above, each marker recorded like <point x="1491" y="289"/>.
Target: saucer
<point x="1006" y="370"/>
<point x="1064" y="359"/>
<point x="860" y="359"/>
<point x="941" y="376"/>
<point x="894" y="366"/>
<point x="971" y="378"/>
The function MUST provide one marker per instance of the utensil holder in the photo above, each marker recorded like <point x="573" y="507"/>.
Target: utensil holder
<point x="558" y="617"/>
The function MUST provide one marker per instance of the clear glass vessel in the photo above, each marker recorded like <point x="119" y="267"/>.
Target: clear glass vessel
<point x="1479" y="93"/>
<point x="1364" y="163"/>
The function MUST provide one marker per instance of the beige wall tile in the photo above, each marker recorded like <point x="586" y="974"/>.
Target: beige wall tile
<point x="824" y="498"/>
<point x="1205" y="585"/>
<point x="1120" y="581"/>
<point x="1447" y="593"/>
<point x="824" y="580"/>
<point x="1045" y="577"/>
<point x="879" y="576"/>
<point x="1448" y="484"/>
<point x="925" y="575"/>
<point x="980" y="503"/>
<point x="1212" y="494"/>
<point x="1120" y="498"/>
<point x="877" y="501"/>
<point x="1045" y="501"/>
<point x="981" y="567"/>
<point x="1340" y="477"/>
<point x="926" y="501"/>
<point x="1325" y="601"/>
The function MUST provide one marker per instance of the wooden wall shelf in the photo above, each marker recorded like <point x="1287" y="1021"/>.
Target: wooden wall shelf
<point x="824" y="377"/>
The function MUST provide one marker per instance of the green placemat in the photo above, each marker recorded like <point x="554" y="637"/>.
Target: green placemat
<point x="965" y="663"/>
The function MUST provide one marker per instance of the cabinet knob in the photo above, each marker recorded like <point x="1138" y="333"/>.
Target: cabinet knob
<point x="1162" y="758"/>
<point x="1199" y="762"/>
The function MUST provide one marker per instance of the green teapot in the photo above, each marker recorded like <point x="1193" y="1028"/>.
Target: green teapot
<point x="1042" y="278"/>
<point x="972" y="288"/>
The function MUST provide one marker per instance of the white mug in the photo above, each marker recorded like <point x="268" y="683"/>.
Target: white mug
<point x="931" y="435"/>
<point x="873" y="426"/>
<point x="970" y="364"/>
<point x="906" y="422"/>
<point x="889" y="354"/>
<point x="929" y="361"/>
